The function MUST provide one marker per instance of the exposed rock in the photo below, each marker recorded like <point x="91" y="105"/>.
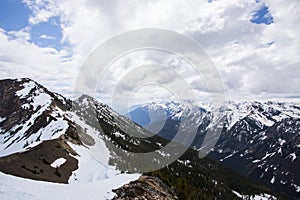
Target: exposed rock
<point x="35" y="163"/>
<point x="146" y="187"/>
<point x="38" y="127"/>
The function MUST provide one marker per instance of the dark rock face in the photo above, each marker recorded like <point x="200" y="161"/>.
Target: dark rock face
<point x="8" y="102"/>
<point x="36" y="162"/>
<point x="146" y="187"/>
<point x="25" y="115"/>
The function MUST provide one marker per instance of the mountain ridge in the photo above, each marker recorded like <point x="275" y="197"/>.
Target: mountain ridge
<point x="40" y="128"/>
<point x="259" y="139"/>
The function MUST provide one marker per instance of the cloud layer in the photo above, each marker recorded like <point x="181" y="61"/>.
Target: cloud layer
<point x="252" y="59"/>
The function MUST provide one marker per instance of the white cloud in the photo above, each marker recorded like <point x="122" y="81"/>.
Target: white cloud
<point x="20" y="58"/>
<point x="41" y="10"/>
<point x="47" y="37"/>
<point x="239" y="48"/>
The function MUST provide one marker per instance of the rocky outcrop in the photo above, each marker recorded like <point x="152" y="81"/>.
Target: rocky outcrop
<point x="146" y="187"/>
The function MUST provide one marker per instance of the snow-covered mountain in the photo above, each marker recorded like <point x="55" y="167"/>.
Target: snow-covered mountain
<point x="55" y="148"/>
<point x="164" y="118"/>
<point x="148" y="113"/>
<point x="42" y="139"/>
<point x="260" y="140"/>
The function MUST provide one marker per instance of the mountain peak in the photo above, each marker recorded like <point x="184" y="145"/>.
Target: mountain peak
<point x="44" y="136"/>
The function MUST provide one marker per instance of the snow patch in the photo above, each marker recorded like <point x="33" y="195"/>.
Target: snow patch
<point x="256" y="161"/>
<point x="279" y="151"/>
<point x="272" y="180"/>
<point x="118" y="134"/>
<point x="293" y="156"/>
<point x="281" y="141"/>
<point x="41" y="99"/>
<point x="27" y="88"/>
<point x="93" y="160"/>
<point x="90" y="168"/>
<point x="58" y="162"/>
<point x="2" y="119"/>
<point x="20" y="142"/>
<point x="12" y="188"/>
<point x="263" y="138"/>
<point x="254" y="197"/>
<point x="230" y="155"/>
<point x="297" y="187"/>
<point x="263" y="119"/>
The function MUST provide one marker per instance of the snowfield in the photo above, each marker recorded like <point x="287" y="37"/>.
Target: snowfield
<point x="94" y="178"/>
<point x="12" y="188"/>
<point x="93" y="160"/>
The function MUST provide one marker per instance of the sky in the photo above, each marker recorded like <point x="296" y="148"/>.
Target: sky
<point x="254" y="44"/>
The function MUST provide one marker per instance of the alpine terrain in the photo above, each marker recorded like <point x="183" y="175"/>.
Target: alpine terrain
<point x="259" y="140"/>
<point x="56" y="148"/>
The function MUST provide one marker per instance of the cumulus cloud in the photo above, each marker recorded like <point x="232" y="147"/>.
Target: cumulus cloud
<point x="20" y="58"/>
<point x="250" y="58"/>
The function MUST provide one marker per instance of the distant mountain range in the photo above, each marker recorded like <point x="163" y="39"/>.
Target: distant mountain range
<point x="260" y="140"/>
<point x="84" y="145"/>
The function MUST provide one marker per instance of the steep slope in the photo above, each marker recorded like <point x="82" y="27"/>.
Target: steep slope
<point x="29" y="113"/>
<point x="264" y="144"/>
<point x="192" y="178"/>
<point x="259" y="140"/>
<point x="42" y="139"/>
<point x="46" y="137"/>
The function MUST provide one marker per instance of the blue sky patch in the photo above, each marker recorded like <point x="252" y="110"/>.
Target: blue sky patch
<point x="47" y="34"/>
<point x="14" y="15"/>
<point x="262" y="16"/>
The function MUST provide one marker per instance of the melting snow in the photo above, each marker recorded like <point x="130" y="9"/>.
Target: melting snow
<point x="230" y="155"/>
<point x="266" y="156"/>
<point x="90" y="167"/>
<point x="293" y="156"/>
<point x="93" y="161"/>
<point x="94" y="176"/>
<point x="256" y="161"/>
<point x="2" y="119"/>
<point x="52" y="131"/>
<point x="263" y="138"/>
<point x="279" y="151"/>
<point x="281" y="141"/>
<point x="117" y="134"/>
<point x="272" y="180"/>
<point x="27" y="88"/>
<point x="262" y="119"/>
<point x="297" y="187"/>
<point x="254" y="197"/>
<point x="58" y="162"/>
<point x="41" y="99"/>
